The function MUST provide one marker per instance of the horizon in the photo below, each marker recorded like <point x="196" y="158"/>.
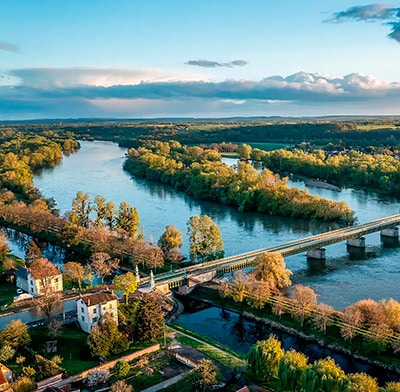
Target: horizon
<point x="176" y="59"/>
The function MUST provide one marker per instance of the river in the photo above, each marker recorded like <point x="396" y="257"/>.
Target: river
<point x="96" y="169"/>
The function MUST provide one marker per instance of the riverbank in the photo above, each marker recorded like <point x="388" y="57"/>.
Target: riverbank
<point x="381" y="363"/>
<point x="322" y="184"/>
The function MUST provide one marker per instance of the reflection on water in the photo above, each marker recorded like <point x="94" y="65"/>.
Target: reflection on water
<point x="239" y="333"/>
<point x="97" y="169"/>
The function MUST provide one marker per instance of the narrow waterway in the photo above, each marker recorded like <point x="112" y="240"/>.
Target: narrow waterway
<point x="239" y="333"/>
<point x="97" y="169"/>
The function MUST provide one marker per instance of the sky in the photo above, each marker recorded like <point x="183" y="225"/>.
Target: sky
<point x="203" y="58"/>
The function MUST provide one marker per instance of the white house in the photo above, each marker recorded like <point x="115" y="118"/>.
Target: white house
<point x="91" y="307"/>
<point x="36" y="285"/>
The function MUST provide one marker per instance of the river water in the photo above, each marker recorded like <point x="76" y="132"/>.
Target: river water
<point x="96" y="169"/>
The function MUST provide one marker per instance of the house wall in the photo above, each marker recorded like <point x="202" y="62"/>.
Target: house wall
<point x="88" y="316"/>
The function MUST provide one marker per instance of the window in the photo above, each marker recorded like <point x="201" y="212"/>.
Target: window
<point x="56" y="280"/>
<point x="31" y="282"/>
<point x="83" y="318"/>
<point x="94" y="320"/>
<point x="94" y="311"/>
<point x="110" y="306"/>
<point x="82" y="310"/>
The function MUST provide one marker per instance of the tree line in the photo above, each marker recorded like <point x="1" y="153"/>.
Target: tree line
<point x="378" y="172"/>
<point x="367" y="326"/>
<point x="291" y="371"/>
<point x="200" y="173"/>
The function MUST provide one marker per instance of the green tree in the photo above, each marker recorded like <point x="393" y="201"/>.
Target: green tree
<point x="271" y="268"/>
<point x="105" y="339"/>
<point x="121" y="369"/>
<point x="126" y="283"/>
<point x="170" y="242"/>
<point x="75" y="271"/>
<point x="149" y="319"/>
<point x="264" y="357"/>
<point x="291" y="370"/>
<point x="128" y="220"/>
<point x="15" y="334"/>
<point x="325" y="375"/>
<point x="81" y="209"/>
<point x="244" y="151"/>
<point x="205" y="239"/>
<point x="204" y="376"/>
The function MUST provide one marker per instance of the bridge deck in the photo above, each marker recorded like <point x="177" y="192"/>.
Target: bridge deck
<point x="288" y="249"/>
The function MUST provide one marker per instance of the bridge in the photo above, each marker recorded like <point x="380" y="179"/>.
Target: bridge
<point x="199" y="273"/>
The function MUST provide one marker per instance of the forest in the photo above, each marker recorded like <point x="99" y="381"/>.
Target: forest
<point x="200" y="173"/>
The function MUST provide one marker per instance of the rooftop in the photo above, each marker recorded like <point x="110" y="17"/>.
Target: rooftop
<point x="98" y="298"/>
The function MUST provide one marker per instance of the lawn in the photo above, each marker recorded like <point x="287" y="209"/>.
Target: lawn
<point x="69" y="347"/>
<point x="7" y="293"/>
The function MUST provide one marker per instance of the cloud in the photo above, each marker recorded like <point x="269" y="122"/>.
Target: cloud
<point x="9" y="47"/>
<point x="63" y="77"/>
<point x="216" y="64"/>
<point x="372" y="13"/>
<point x="84" y="92"/>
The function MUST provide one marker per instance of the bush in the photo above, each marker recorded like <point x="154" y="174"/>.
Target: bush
<point x="121" y="369"/>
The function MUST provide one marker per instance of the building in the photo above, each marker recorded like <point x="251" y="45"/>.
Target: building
<point x="6" y="377"/>
<point x="91" y="307"/>
<point x="37" y="285"/>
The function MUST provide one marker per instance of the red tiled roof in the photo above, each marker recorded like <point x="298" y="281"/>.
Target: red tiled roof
<point x="98" y="298"/>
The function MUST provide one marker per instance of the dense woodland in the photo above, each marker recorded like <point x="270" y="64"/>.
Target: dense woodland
<point x="200" y="173"/>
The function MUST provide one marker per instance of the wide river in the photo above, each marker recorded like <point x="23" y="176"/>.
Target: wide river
<point x="96" y="169"/>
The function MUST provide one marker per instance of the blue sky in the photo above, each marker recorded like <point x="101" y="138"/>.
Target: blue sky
<point x="208" y="58"/>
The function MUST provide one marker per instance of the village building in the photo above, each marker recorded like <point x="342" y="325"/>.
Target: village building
<point x="91" y="307"/>
<point x="37" y="285"/>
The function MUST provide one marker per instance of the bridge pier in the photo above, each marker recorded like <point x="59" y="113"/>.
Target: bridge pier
<point x="390" y="237"/>
<point x="316" y="259"/>
<point x="356" y="248"/>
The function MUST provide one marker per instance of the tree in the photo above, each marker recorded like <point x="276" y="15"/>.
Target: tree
<point x="128" y="220"/>
<point x="4" y="249"/>
<point x="105" y="339"/>
<point x="6" y="353"/>
<point x="103" y="264"/>
<point x="121" y="369"/>
<point x="100" y="208"/>
<point x="96" y="377"/>
<point x="75" y="271"/>
<point x="126" y="283"/>
<point x="149" y="319"/>
<point x="291" y="370"/>
<point x="47" y="367"/>
<point x="170" y="243"/>
<point x="204" y="376"/>
<point x="322" y="316"/>
<point x="121" y="386"/>
<point x="325" y="376"/>
<point x="237" y="288"/>
<point x="304" y="301"/>
<point x="264" y="357"/>
<point x="48" y="303"/>
<point x="81" y="209"/>
<point x="15" y="334"/>
<point x="259" y="292"/>
<point x="244" y="151"/>
<point x="33" y="252"/>
<point x="392" y="387"/>
<point x="361" y="382"/>
<point x="351" y="320"/>
<point x="205" y="239"/>
<point x="271" y="268"/>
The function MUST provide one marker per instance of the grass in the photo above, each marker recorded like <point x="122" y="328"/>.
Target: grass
<point x="222" y="357"/>
<point x="69" y="347"/>
<point x="7" y="293"/>
<point x="266" y="146"/>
